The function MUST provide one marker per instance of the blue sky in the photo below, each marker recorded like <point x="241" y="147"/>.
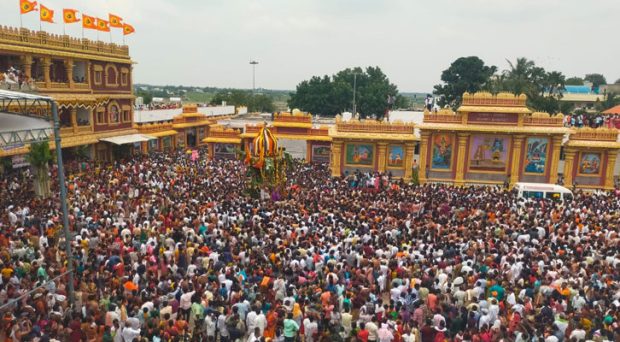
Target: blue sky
<point x="210" y="42"/>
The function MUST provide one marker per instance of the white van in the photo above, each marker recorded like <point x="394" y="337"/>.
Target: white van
<point x="541" y="190"/>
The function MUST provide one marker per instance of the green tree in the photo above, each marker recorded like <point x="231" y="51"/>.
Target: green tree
<point x="596" y="79"/>
<point x="617" y="81"/>
<point x="577" y="81"/>
<point x="466" y="74"/>
<point x="543" y="89"/>
<point x="39" y="158"/>
<point x="318" y="95"/>
<point x="519" y="78"/>
<point x="147" y="97"/>
<point x="332" y="95"/>
<point x="261" y="103"/>
<point x="235" y="97"/>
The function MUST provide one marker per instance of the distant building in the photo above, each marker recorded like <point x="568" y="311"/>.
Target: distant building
<point x="582" y="96"/>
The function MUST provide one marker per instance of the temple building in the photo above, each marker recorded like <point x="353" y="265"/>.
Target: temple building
<point x="491" y="139"/>
<point x="369" y="145"/>
<point x="184" y="130"/>
<point x="90" y="81"/>
<point x="590" y="158"/>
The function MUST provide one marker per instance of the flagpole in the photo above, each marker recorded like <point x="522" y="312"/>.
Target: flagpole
<point x="21" y="25"/>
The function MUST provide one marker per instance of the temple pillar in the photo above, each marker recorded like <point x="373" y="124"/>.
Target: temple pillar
<point x="409" y="150"/>
<point x="555" y="159"/>
<point x="609" y="173"/>
<point x="211" y="150"/>
<point x="336" y="158"/>
<point x="381" y="155"/>
<point x="69" y="70"/>
<point x="569" y="160"/>
<point x="459" y="178"/>
<point x="515" y="169"/>
<point x="26" y="65"/>
<point x="91" y="118"/>
<point x="308" y="151"/>
<point x="424" y="138"/>
<point x="47" y="64"/>
<point x="87" y="78"/>
<point x="74" y="123"/>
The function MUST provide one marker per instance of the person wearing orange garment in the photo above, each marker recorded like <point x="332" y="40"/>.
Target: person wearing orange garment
<point x="272" y="323"/>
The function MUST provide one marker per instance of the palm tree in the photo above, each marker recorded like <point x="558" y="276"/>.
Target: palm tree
<point x="518" y="77"/>
<point x="39" y="158"/>
<point x="555" y="83"/>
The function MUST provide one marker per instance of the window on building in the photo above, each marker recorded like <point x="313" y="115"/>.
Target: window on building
<point x="124" y="76"/>
<point x="100" y="117"/>
<point x="98" y="74"/>
<point x="111" y="76"/>
<point x="126" y="114"/>
<point x="98" y="77"/>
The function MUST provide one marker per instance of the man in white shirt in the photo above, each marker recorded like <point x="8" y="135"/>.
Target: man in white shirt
<point x="250" y="321"/>
<point x="372" y="328"/>
<point x="261" y="321"/>
<point x="311" y="328"/>
<point x="221" y="327"/>
<point x="129" y="333"/>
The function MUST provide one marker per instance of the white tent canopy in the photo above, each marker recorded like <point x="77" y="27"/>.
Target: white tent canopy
<point x="128" y="139"/>
<point x="16" y="95"/>
<point x="16" y="130"/>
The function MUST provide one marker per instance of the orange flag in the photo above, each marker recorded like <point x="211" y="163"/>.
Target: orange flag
<point x="88" y="22"/>
<point x="26" y="6"/>
<point x="46" y="14"/>
<point x="103" y="25"/>
<point x="70" y="16"/>
<point x="128" y="29"/>
<point x="115" y="21"/>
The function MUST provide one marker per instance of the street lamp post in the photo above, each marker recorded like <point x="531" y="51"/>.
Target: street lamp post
<point x="253" y="63"/>
<point x="354" y="91"/>
<point x="63" y="203"/>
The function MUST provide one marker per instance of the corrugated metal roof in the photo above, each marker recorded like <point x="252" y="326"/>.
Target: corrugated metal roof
<point x="16" y="95"/>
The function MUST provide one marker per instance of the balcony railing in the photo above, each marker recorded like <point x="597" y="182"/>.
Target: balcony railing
<point x="84" y="129"/>
<point x="53" y="85"/>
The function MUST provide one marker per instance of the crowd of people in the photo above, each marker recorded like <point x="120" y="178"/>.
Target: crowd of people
<point x="166" y="249"/>
<point x="15" y="79"/>
<point x="592" y="121"/>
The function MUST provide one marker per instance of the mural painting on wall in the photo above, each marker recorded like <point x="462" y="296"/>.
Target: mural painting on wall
<point x="536" y="155"/>
<point x="224" y="150"/>
<point x="320" y="153"/>
<point x="442" y="152"/>
<point x="590" y="164"/>
<point x="396" y="156"/>
<point x="489" y="153"/>
<point x="360" y="154"/>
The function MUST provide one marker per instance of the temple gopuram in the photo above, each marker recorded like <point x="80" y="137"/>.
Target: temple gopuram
<point x="491" y="139"/>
